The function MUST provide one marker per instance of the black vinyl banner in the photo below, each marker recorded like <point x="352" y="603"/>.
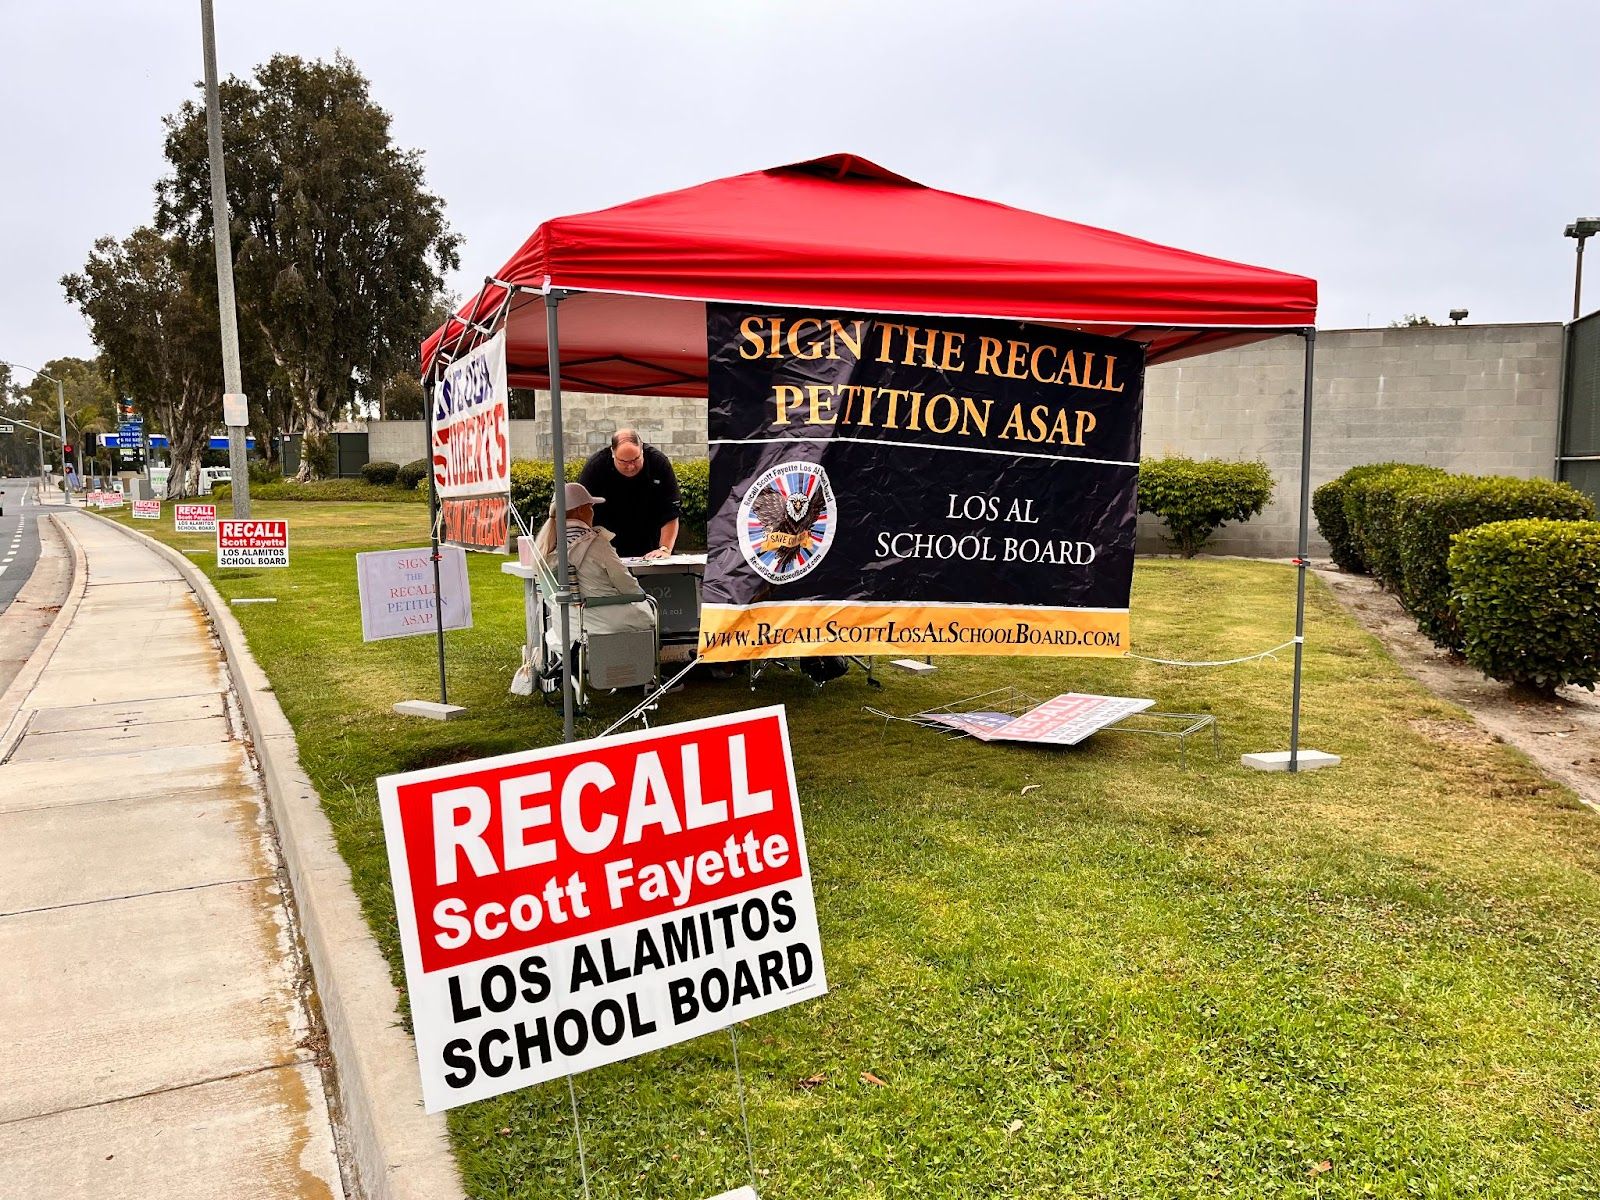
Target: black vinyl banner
<point x="925" y="485"/>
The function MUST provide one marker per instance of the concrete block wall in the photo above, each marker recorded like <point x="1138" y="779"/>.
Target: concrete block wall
<point x="1481" y="399"/>
<point x="676" y="427"/>
<point x="1474" y="398"/>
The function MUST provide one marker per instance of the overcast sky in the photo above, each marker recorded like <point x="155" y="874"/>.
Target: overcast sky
<point x="1411" y="157"/>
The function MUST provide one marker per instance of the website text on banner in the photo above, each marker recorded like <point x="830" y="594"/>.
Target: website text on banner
<point x="471" y="449"/>
<point x="396" y="589"/>
<point x="572" y="906"/>
<point x="925" y="484"/>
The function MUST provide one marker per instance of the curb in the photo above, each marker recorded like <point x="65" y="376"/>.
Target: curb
<point x="397" y="1152"/>
<point x="11" y="702"/>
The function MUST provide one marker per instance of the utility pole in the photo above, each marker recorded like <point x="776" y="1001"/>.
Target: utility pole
<point x="234" y="411"/>
<point x="61" y="416"/>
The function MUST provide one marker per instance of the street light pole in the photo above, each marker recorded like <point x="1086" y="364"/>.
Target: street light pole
<point x="1582" y="229"/>
<point x="233" y="404"/>
<point x="61" y="416"/>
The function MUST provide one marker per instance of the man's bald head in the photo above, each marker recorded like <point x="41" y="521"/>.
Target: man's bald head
<point x="627" y="452"/>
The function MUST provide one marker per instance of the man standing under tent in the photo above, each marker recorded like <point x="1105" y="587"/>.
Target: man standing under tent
<point x="641" y="493"/>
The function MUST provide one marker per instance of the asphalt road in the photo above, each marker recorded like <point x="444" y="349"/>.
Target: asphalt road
<point x="19" y="537"/>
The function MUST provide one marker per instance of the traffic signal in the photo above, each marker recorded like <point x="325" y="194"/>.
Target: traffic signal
<point x="66" y="449"/>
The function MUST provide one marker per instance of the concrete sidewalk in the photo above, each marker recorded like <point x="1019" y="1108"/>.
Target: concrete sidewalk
<point x="154" y="1040"/>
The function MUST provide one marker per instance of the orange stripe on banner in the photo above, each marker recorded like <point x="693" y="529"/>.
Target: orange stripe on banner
<point x="732" y="634"/>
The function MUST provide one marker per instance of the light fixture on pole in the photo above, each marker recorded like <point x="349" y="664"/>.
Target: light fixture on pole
<point x="1457" y="315"/>
<point x="1582" y="229"/>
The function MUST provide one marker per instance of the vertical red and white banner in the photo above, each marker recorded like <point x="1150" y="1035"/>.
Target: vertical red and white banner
<point x="471" y="451"/>
<point x="575" y="905"/>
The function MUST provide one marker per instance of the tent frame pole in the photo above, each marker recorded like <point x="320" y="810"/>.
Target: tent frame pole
<point x="552" y="299"/>
<point x="1302" y="561"/>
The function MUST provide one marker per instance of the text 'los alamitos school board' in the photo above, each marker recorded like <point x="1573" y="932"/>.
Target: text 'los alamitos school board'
<point x="931" y="485"/>
<point x="571" y="906"/>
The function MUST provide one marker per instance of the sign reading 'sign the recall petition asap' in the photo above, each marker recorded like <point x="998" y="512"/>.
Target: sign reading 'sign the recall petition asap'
<point x="571" y="906"/>
<point x="933" y="485"/>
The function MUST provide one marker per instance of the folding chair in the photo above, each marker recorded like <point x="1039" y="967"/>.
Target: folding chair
<point x="603" y="660"/>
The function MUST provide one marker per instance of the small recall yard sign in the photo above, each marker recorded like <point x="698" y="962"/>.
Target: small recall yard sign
<point x="252" y="543"/>
<point x="575" y="905"/>
<point x="194" y="518"/>
<point x="147" y="510"/>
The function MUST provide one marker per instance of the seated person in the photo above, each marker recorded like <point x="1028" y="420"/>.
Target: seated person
<point x="595" y="568"/>
<point x="638" y="482"/>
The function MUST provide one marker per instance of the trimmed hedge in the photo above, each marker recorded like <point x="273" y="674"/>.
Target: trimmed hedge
<point x="1433" y="513"/>
<point x="325" y="489"/>
<point x="532" y="484"/>
<point x="413" y="473"/>
<point x="1328" y="505"/>
<point x="380" y="473"/>
<point x="1527" y="597"/>
<point x="1195" y="497"/>
<point x="1371" y="509"/>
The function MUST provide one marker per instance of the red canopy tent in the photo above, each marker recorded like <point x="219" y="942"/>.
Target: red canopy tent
<point x="842" y="233"/>
<point x="631" y="284"/>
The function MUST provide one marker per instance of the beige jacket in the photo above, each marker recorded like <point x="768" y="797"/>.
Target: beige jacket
<point x="601" y="573"/>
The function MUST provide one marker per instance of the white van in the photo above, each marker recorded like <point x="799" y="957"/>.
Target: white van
<point x="213" y="475"/>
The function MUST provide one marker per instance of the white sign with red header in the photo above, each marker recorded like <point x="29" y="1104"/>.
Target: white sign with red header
<point x="106" y="499"/>
<point x="575" y="905"/>
<point x="472" y="424"/>
<point x="194" y="518"/>
<point x="252" y="543"/>
<point x="147" y="510"/>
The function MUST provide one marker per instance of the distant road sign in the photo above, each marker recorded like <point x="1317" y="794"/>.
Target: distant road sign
<point x="8" y="428"/>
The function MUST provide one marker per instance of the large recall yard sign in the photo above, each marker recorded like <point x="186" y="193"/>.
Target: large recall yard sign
<point x="252" y="543"/>
<point x="194" y="518"/>
<point x="471" y="450"/>
<point x="571" y="906"/>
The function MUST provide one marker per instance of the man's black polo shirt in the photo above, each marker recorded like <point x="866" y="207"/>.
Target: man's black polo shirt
<point x="636" y="507"/>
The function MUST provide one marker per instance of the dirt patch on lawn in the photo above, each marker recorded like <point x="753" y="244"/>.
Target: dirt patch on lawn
<point x="1562" y="735"/>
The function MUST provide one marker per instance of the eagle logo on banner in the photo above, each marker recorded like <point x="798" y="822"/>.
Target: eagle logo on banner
<point x="786" y="521"/>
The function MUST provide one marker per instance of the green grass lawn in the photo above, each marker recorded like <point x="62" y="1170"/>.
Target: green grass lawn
<point x="1132" y="981"/>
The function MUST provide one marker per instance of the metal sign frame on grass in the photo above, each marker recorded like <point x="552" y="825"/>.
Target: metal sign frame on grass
<point x="579" y="904"/>
<point x="471" y="448"/>
<point x="251" y="543"/>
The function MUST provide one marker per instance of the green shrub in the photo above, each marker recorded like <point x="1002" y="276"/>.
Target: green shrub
<point x="1196" y="497"/>
<point x="1371" y="511"/>
<point x="1527" y="596"/>
<point x="413" y="473"/>
<point x="380" y="473"/>
<point x="325" y="489"/>
<point x="1433" y="513"/>
<point x="532" y="484"/>
<point x="318" y="454"/>
<point x="1328" y="505"/>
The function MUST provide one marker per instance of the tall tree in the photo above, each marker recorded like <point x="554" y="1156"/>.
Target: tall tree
<point x="339" y="249"/>
<point x="89" y="400"/>
<point x="158" y="338"/>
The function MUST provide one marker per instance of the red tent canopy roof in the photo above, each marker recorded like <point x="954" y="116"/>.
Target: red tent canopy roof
<point x="843" y="233"/>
